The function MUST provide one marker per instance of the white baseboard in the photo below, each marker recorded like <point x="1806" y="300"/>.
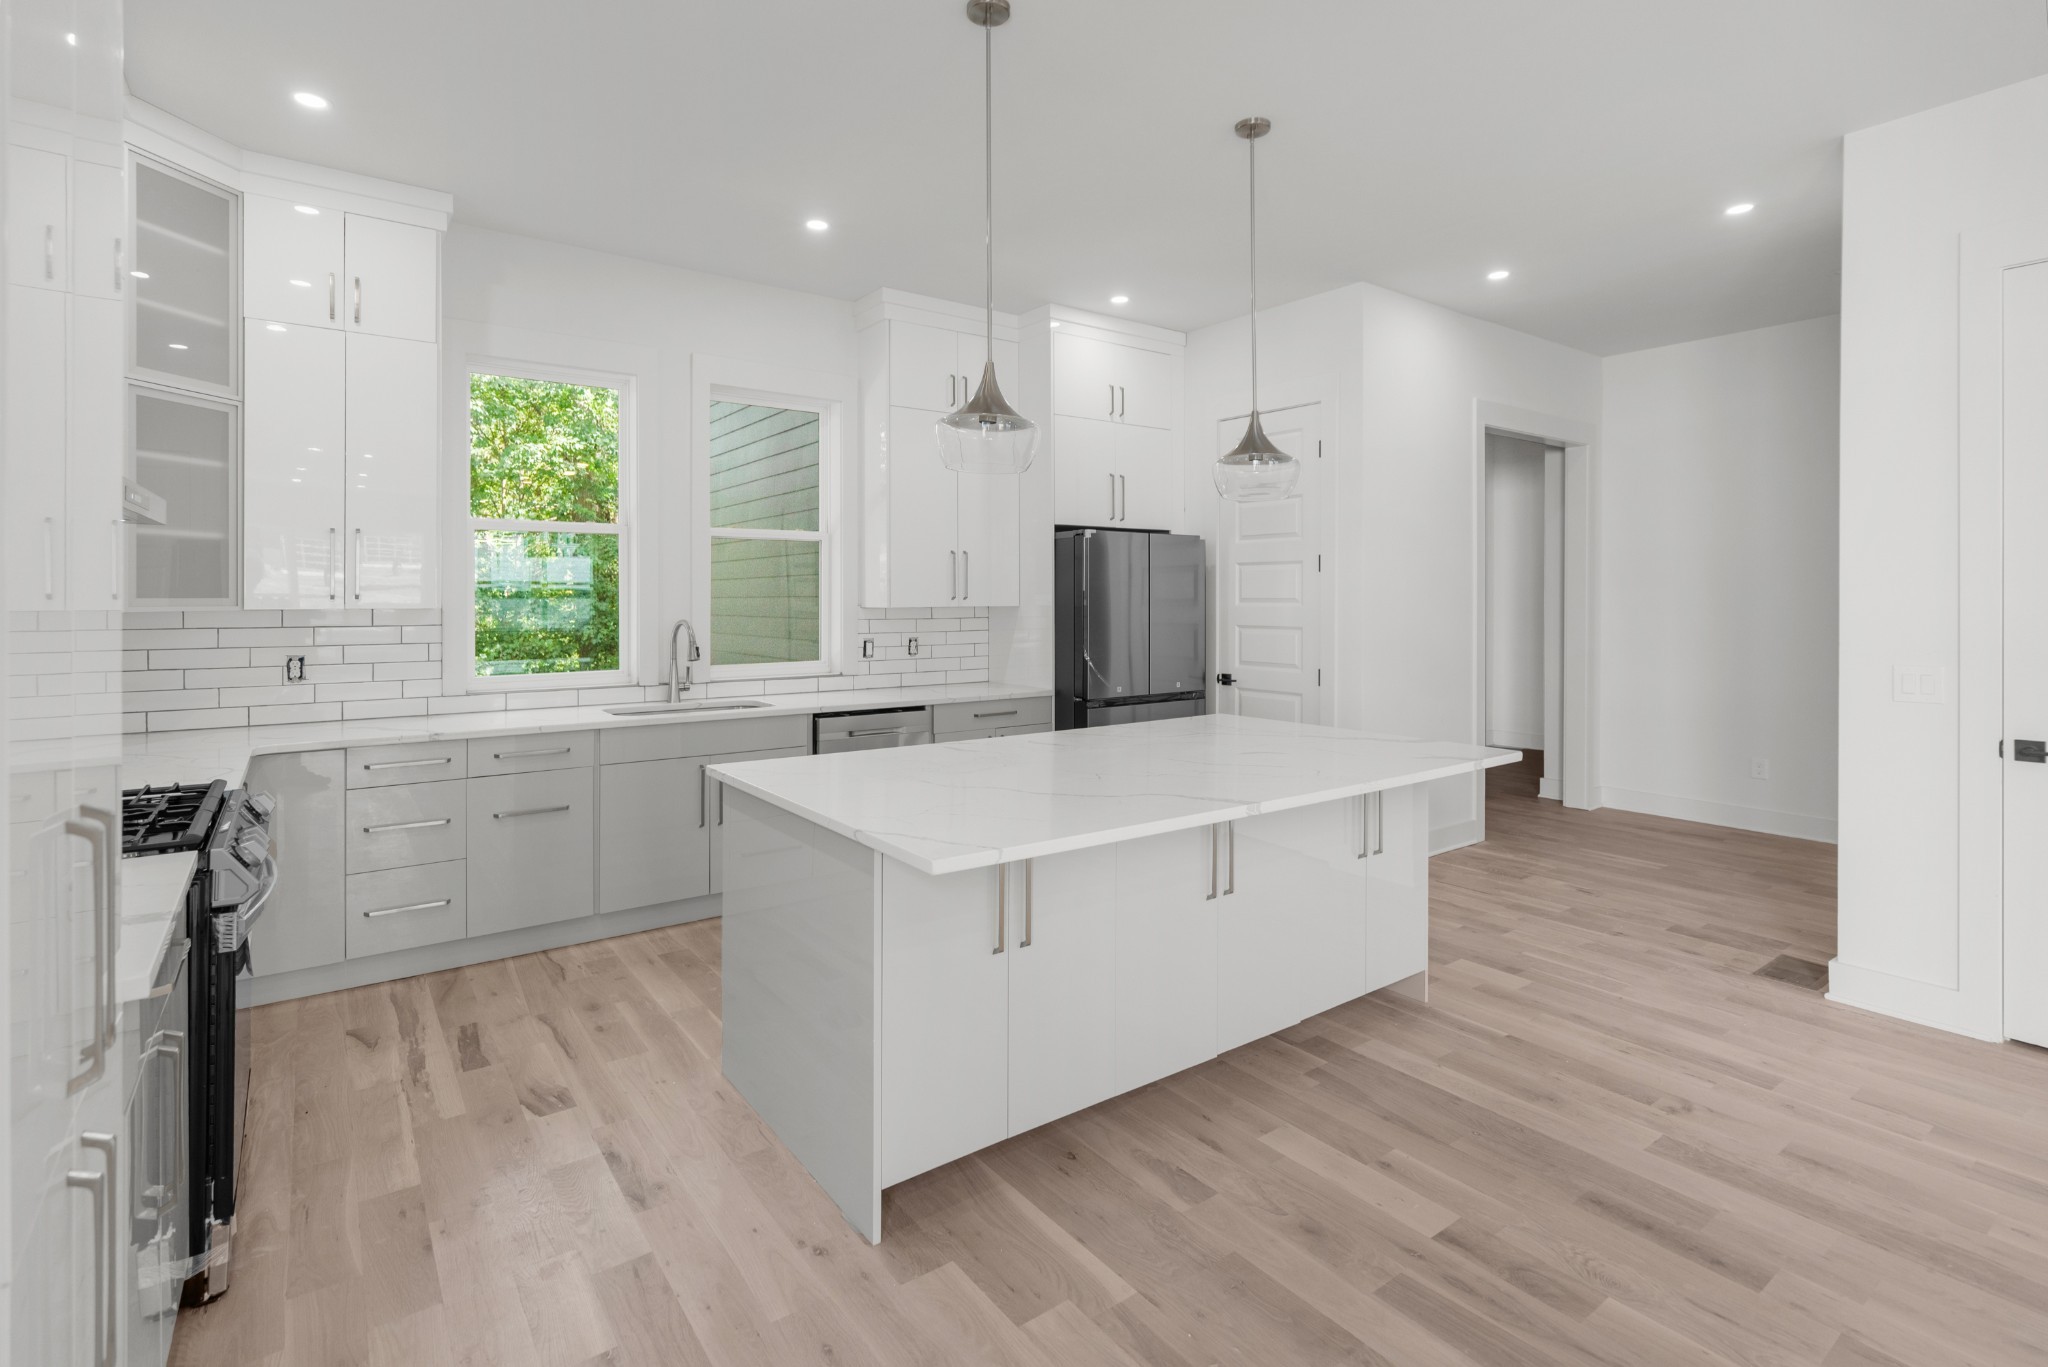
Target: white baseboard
<point x="1760" y="819"/>
<point x="1456" y="836"/>
<point x="1550" y="788"/>
<point x="1514" y="740"/>
<point x="1908" y="999"/>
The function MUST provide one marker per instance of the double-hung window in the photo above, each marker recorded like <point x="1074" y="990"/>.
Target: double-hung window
<point x="545" y="526"/>
<point x="767" y="553"/>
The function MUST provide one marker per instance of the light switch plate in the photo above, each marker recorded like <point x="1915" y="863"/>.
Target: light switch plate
<point x="1918" y="683"/>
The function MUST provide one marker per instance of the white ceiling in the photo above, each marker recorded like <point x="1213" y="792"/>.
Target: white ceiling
<point x="1587" y="145"/>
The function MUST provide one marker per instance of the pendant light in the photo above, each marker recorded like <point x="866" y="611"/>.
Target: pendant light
<point x="1255" y="470"/>
<point x="986" y="434"/>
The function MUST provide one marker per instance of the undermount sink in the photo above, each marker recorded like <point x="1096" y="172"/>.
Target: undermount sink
<point x="653" y="709"/>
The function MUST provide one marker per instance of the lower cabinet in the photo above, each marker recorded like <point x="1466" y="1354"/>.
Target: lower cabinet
<point x="1063" y="985"/>
<point x="1397" y="887"/>
<point x="1291" y="918"/>
<point x="530" y="849"/>
<point x="657" y="819"/>
<point x="1165" y="954"/>
<point x="303" y="925"/>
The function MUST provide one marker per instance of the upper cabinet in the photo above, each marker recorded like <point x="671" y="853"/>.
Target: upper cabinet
<point x="1113" y="381"/>
<point x="186" y="311"/>
<point x="38" y="218"/>
<point x="316" y="265"/>
<point x="936" y="369"/>
<point x="1111" y="392"/>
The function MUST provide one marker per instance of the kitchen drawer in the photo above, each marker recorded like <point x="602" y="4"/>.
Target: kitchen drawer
<point x="948" y="717"/>
<point x="378" y="766"/>
<point x="403" y="908"/>
<point x="409" y="823"/>
<point x="531" y="754"/>
<point x="532" y="849"/>
<point x="712" y="736"/>
<point x="1034" y="729"/>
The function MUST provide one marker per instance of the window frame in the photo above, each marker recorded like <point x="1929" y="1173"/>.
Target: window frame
<point x="720" y="381"/>
<point x="465" y="663"/>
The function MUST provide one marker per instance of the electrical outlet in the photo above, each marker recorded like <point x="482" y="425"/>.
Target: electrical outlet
<point x="867" y="647"/>
<point x="913" y="645"/>
<point x="1759" y="767"/>
<point x="294" y="669"/>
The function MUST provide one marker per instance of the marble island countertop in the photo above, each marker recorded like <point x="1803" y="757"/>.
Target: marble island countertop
<point x="968" y="804"/>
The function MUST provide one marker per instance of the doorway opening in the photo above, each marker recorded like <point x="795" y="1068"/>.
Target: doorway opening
<point x="1522" y="555"/>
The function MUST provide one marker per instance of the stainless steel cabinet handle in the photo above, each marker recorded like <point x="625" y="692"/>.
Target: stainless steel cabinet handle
<point x="359" y="298"/>
<point x="106" y="856"/>
<point x="953" y="576"/>
<point x="875" y="731"/>
<point x="721" y="804"/>
<point x="410" y="906"/>
<point x="106" y="1285"/>
<point x="333" y="555"/>
<point x="703" y="795"/>
<point x="49" y="557"/>
<point x="1379" y="823"/>
<point x="1011" y="713"/>
<point x="1123" y="403"/>
<point x="117" y="265"/>
<point x="952" y="391"/>
<point x="1002" y="908"/>
<point x="49" y="251"/>
<point x="357" y="578"/>
<point x="1112" y="498"/>
<point x="96" y="1047"/>
<point x="967" y="574"/>
<point x="1123" y="490"/>
<point x="410" y="763"/>
<point x="1025" y="943"/>
<point x="1364" y="825"/>
<point x="529" y="811"/>
<point x="1212" y="865"/>
<point x="1112" y="401"/>
<point x="529" y="754"/>
<point x="330" y="296"/>
<point x="408" y="825"/>
<point x="1230" y="887"/>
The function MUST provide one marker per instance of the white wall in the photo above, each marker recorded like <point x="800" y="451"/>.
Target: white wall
<point x="1400" y="381"/>
<point x="1717" y="582"/>
<point x="1912" y="189"/>
<point x="1514" y="592"/>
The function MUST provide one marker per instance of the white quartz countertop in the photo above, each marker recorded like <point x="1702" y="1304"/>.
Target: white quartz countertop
<point x="968" y="804"/>
<point x="153" y="886"/>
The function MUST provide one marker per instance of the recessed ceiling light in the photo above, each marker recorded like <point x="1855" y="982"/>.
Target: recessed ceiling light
<point x="177" y="346"/>
<point x="1119" y="298"/>
<point x="308" y="99"/>
<point x="1055" y="322"/>
<point x="1735" y="210"/>
<point x="1496" y="275"/>
<point x="302" y="284"/>
<point x="306" y="209"/>
<point x="816" y="225"/>
<point x="71" y="38"/>
<point x="275" y="327"/>
<point x="140" y="275"/>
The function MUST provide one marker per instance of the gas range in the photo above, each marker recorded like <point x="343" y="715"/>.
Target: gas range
<point x="170" y="819"/>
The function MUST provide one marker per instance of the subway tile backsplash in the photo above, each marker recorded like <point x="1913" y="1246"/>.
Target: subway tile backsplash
<point x="184" y="671"/>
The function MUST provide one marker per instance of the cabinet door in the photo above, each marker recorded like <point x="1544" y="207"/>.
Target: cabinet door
<point x="97" y="383"/>
<point x="303" y="927"/>
<point x="1084" y="377"/>
<point x="1084" y="488"/>
<point x="1291" y="923"/>
<point x="988" y="539"/>
<point x="924" y="515"/>
<point x="393" y="422"/>
<point x="1149" y="487"/>
<point x="35" y="419"/>
<point x="945" y="1019"/>
<point x="1397" y="887"/>
<point x="1063" y="988"/>
<point x="292" y="442"/>
<point x="531" y="849"/>
<point x="714" y="794"/>
<point x="1165" y="955"/>
<point x="652" y="842"/>
<point x="99" y="229"/>
<point x="291" y="262"/>
<point x="924" y="369"/>
<point x="187" y="325"/>
<point x="38" y="219"/>
<point x="393" y="278"/>
<point x="1145" y="387"/>
<point x="184" y="449"/>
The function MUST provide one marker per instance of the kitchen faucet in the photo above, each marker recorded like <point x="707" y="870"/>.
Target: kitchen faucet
<point x="679" y="669"/>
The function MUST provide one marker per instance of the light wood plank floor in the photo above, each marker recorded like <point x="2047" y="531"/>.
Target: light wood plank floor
<point x="1606" y="1140"/>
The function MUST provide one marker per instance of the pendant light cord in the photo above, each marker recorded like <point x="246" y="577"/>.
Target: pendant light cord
<point x="988" y="163"/>
<point x="1252" y="162"/>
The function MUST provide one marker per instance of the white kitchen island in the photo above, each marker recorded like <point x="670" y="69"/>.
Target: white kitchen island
<point x="928" y="950"/>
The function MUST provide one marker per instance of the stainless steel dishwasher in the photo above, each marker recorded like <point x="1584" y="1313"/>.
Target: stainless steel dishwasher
<point x="833" y="732"/>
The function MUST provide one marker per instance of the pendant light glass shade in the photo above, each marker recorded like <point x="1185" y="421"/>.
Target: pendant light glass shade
<point x="1255" y="470"/>
<point x="986" y="435"/>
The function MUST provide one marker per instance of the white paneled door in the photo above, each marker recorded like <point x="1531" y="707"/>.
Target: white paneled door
<point x="1268" y="584"/>
<point x="2026" y="653"/>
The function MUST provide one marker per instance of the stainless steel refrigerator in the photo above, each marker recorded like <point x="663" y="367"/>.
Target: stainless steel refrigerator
<point x="1130" y="629"/>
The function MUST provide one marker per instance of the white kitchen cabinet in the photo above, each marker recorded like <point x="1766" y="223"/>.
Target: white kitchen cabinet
<point x="945" y="1019"/>
<point x="99" y="226"/>
<point x="1291" y="919"/>
<point x="187" y="315"/>
<point x="924" y="367"/>
<point x="1165" y="954"/>
<point x="530" y="849"/>
<point x="95" y="537"/>
<point x="183" y="448"/>
<point x="37" y="330"/>
<point x="987" y="533"/>
<point x="394" y="278"/>
<point x="1111" y="381"/>
<point x="390" y="476"/>
<point x="303" y="926"/>
<point x="293" y="436"/>
<point x="1113" y="474"/>
<point x="1063" y="985"/>
<point x="652" y="844"/>
<point x="292" y="262"/>
<point x="38" y="218"/>
<point x="1397" y="886"/>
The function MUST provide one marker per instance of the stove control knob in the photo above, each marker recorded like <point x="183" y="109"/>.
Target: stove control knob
<point x="263" y="804"/>
<point x="253" y="850"/>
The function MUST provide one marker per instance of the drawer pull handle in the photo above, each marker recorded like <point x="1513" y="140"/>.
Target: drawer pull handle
<point x="408" y="825"/>
<point x="1011" y="713"/>
<point x="529" y="754"/>
<point x="409" y="763"/>
<point x="879" y="731"/>
<point x="410" y="906"/>
<point x="529" y="811"/>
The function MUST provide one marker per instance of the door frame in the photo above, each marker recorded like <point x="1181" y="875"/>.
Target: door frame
<point x="1549" y="785"/>
<point x="1577" y="636"/>
<point x="1976" y="1001"/>
<point x="1319" y="526"/>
